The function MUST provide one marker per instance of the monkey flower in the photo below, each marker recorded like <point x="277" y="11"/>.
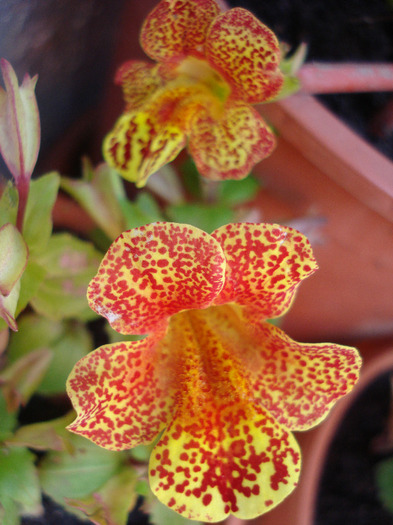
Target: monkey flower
<point x="215" y="384"/>
<point x="210" y="67"/>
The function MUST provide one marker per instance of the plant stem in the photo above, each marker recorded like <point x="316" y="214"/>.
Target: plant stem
<point x="23" y="191"/>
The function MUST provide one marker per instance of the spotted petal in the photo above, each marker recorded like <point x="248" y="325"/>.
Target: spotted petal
<point x="121" y="394"/>
<point x="247" y="54"/>
<point x="228" y="146"/>
<point x="177" y="28"/>
<point x="153" y="272"/>
<point x="265" y="265"/>
<point x="220" y="459"/>
<point x="139" y="81"/>
<point x="140" y="145"/>
<point x="299" y="383"/>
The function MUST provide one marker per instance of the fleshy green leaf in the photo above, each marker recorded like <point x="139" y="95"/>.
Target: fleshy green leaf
<point x="8" y="204"/>
<point x="160" y="514"/>
<point x="99" y="194"/>
<point x="235" y="192"/>
<point x="67" y="341"/>
<point x="20" y="492"/>
<point x="206" y="217"/>
<point x="20" y="379"/>
<point x="111" y="504"/>
<point x="8" y="420"/>
<point x="13" y="257"/>
<point x="384" y="478"/>
<point x="70" y="264"/>
<point x="77" y="475"/>
<point x="48" y="435"/>
<point x="143" y="211"/>
<point x="37" y="226"/>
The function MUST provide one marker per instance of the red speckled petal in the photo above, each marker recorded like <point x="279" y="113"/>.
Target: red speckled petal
<point x="220" y="459"/>
<point x="227" y="146"/>
<point x="153" y="272"/>
<point x="247" y="54"/>
<point x="265" y="264"/>
<point x="177" y="27"/>
<point x="121" y="394"/>
<point x="139" y="80"/>
<point x="222" y="453"/>
<point x="139" y="145"/>
<point x="299" y="383"/>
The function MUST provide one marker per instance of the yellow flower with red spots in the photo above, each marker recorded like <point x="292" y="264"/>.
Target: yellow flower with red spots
<point x="218" y="386"/>
<point x="210" y="67"/>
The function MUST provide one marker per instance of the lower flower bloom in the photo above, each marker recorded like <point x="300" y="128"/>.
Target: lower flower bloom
<point x="219" y="387"/>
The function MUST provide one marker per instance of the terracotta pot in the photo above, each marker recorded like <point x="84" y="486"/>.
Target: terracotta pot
<point x="332" y="185"/>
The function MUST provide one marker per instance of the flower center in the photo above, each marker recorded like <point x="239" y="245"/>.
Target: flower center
<point x="200" y="72"/>
<point x="211" y="344"/>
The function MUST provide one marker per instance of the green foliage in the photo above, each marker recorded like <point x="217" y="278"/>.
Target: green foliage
<point x="143" y="210"/>
<point x="235" y="192"/>
<point x="384" y="479"/>
<point x="203" y="216"/>
<point x="67" y="342"/>
<point x="77" y="475"/>
<point x="69" y="264"/>
<point x="112" y="502"/>
<point x="8" y="204"/>
<point x="37" y="226"/>
<point x="19" y="486"/>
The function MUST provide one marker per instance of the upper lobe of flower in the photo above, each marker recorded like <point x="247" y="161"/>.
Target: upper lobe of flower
<point x="224" y="387"/>
<point x="210" y="67"/>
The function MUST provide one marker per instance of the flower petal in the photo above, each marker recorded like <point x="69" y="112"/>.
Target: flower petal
<point x="140" y="145"/>
<point x="177" y="27"/>
<point x="139" y="81"/>
<point x="216" y="459"/>
<point x="265" y="264"/>
<point x="120" y="394"/>
<point x="299" y="383"/>
<point x="247" y="54"/>
<point x="229" y="145"/>
<point x="153" y="272"/>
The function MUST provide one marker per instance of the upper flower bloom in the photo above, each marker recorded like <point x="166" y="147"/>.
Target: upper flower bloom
<point x="223" y="386"/>
<point x="210" y="67"/>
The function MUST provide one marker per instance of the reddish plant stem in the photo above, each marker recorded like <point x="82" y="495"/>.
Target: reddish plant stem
<point x="23" y="184"/>
<point x="323" y="78"/>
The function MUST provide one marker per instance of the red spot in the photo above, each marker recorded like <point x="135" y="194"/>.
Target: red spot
<point x="206" y="499"/>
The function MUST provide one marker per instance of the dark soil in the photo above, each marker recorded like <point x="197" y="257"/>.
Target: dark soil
<point x="348" y="492"/>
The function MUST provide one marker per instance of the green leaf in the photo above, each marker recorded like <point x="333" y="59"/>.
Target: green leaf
<point x="30" y="281"/>
<point x="21" y="378"/>
<point x="111" y="504"/>
<point x="384" y="479"/>
<point x="235" y="192"/>
<point x="13" y="257"/>
<point x="99" y="194"/>
<point x="192" y="179"/>
<point x="143" y="211"/>
<point x="8" y="204"/>
<point x="68" y="341"/>
<point x="20" y="492"/>
<point x="160" y="514"/>
<point x="203" y="216"/>
<point x="37" y="225"/>
<point x="8" y="420"/>
<point x="77" y="475"/>
<point x="48" y="435"/>
<point x="70" y="264"/>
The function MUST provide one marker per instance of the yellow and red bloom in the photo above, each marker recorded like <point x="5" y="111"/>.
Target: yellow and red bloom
<point x="210" y="67"/>
<point x="225" y="387"/>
